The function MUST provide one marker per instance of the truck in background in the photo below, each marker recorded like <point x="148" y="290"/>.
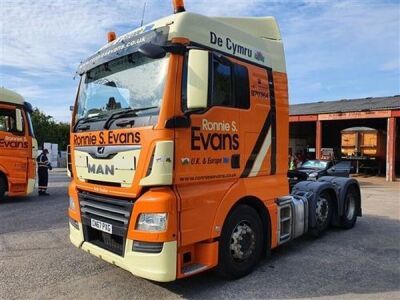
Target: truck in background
<point x="363" y="141"/>
<point x="18" y="146"/>
<point x="366" y="147"/>
<point x="179" y="151"/>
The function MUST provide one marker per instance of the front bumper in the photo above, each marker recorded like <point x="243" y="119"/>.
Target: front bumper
<point x="158" y="267"/>
<point x="30" y="186"/>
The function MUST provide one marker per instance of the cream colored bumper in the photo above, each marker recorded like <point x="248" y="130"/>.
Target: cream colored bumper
<point x="158" y="267"/>
<point x="30" y="186"/>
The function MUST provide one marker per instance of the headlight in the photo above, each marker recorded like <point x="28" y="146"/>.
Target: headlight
<point x="313" y="175"/>
<point x="71" y="203"/>
<point x="152" y="222"/>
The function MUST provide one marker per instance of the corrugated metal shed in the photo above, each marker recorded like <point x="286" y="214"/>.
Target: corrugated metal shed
<point x="346" y="105"/>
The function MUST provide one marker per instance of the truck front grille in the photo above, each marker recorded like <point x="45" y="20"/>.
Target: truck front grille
<point x="114" y="211"/>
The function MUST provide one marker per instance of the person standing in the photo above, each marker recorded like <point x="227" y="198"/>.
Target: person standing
<point x="43" y="172"/>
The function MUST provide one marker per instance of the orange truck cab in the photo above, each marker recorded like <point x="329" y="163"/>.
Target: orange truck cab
<point x="18" y="146"/>
<point x="179" y="148"/>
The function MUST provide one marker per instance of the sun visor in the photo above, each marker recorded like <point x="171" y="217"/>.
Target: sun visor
<point x="126" y="44"/>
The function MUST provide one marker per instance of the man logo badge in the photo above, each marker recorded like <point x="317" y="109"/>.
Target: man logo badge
<point x="100" y="150"/>
<point x="101" y="169"/>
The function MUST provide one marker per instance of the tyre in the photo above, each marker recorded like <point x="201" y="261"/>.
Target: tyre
<point x="323" y="214"/>
<point x="3" y="187"/>
<point x="241" y="243"/>
<point x="349" y="217"/>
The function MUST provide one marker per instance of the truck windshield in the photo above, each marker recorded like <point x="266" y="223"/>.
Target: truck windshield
<point x="129" y="82"/>
<point x="315" y="164"/>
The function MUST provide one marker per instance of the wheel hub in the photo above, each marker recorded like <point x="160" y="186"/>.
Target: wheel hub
<point x="322" y="210"/>
<point x="243" y="241"/>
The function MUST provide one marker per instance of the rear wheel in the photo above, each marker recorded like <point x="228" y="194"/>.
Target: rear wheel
<point x="323" y="214"/>
<point x="349" y="217"/>
<point x="3" y="187"/>
<point x="241" y="243"/>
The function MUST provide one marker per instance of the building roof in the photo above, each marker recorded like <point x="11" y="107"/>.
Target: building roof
<point x="346" y="105"/>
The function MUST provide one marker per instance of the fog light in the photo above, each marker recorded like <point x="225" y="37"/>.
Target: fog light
<point x="152" y="222"/>
<point x="74" y="223"/>
<point x="147" y="247"/>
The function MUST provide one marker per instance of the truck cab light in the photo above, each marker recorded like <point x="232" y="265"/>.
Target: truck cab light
<point x="152" y="222"/>
<point x="71" y="203"/>
<point x="179" y="6"/>
<point x="111" y="36"/>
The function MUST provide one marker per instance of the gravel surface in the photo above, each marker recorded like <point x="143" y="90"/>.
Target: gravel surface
<point x="37" y="260"/>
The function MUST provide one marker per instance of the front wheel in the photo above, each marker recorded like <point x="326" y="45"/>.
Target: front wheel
<point x="2" y="187"/>
<point x="241" y="242"/>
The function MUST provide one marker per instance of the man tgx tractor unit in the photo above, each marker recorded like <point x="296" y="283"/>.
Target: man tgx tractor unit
<point x="18" y="146"/>
<point x="179" y="149"/>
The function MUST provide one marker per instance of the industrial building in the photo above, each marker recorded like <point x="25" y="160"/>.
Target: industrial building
<point x="319" y="125"/>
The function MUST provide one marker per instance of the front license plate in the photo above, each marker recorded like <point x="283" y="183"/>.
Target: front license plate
<point x="99" y="225"/>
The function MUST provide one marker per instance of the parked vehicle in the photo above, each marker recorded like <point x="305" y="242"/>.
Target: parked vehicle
<point x="366" y="147"/>
<point x="18" y="146"/>
<point x="314" y="169"/>
<point x="179" y="147"/>
<point x="363" y="142"/>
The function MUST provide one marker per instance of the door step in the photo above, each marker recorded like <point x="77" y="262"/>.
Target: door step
<point x="193" y="268"/>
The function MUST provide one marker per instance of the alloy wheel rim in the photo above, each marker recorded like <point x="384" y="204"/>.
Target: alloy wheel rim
<point x="322" y="210"/>
<point x="243" y="241"/>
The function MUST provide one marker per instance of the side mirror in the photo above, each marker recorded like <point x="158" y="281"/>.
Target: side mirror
<point x="152" y="51"/>
<point x="28" y="107"/>
<point x="197" y="79"/>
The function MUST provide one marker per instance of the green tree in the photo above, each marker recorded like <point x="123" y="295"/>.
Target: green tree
<point x="50" y="131"/>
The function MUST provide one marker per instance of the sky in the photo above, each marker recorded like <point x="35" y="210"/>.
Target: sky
<point x="334" y="49"/>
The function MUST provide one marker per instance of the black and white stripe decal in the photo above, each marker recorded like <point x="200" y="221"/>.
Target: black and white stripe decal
<point x="266" y="139"/>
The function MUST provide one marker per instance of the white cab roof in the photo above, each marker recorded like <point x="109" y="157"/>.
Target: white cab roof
<point x="257" y="40"/>
<point x="10" y="96"/>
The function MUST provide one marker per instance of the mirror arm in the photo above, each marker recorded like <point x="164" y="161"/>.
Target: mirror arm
<point x="175" y="48"/>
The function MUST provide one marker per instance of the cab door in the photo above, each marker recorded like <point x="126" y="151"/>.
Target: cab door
<point x="14" y="147"/>
<point x="208" y="153"/>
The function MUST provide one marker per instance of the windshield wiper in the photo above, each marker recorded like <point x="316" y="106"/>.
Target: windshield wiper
<point x="86" y="120"/>
<point x="124" y="113"/>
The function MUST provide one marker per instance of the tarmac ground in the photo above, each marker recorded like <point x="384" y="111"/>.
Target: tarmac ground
<point x="37" y="261"/>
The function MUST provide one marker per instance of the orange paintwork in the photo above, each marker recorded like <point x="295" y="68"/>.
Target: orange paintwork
<point x="16" y="162"/>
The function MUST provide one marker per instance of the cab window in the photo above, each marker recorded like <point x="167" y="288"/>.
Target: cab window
<point x="11" y="120"/>
<point x="230" y="84"/>
<point x="222" y="83"/>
